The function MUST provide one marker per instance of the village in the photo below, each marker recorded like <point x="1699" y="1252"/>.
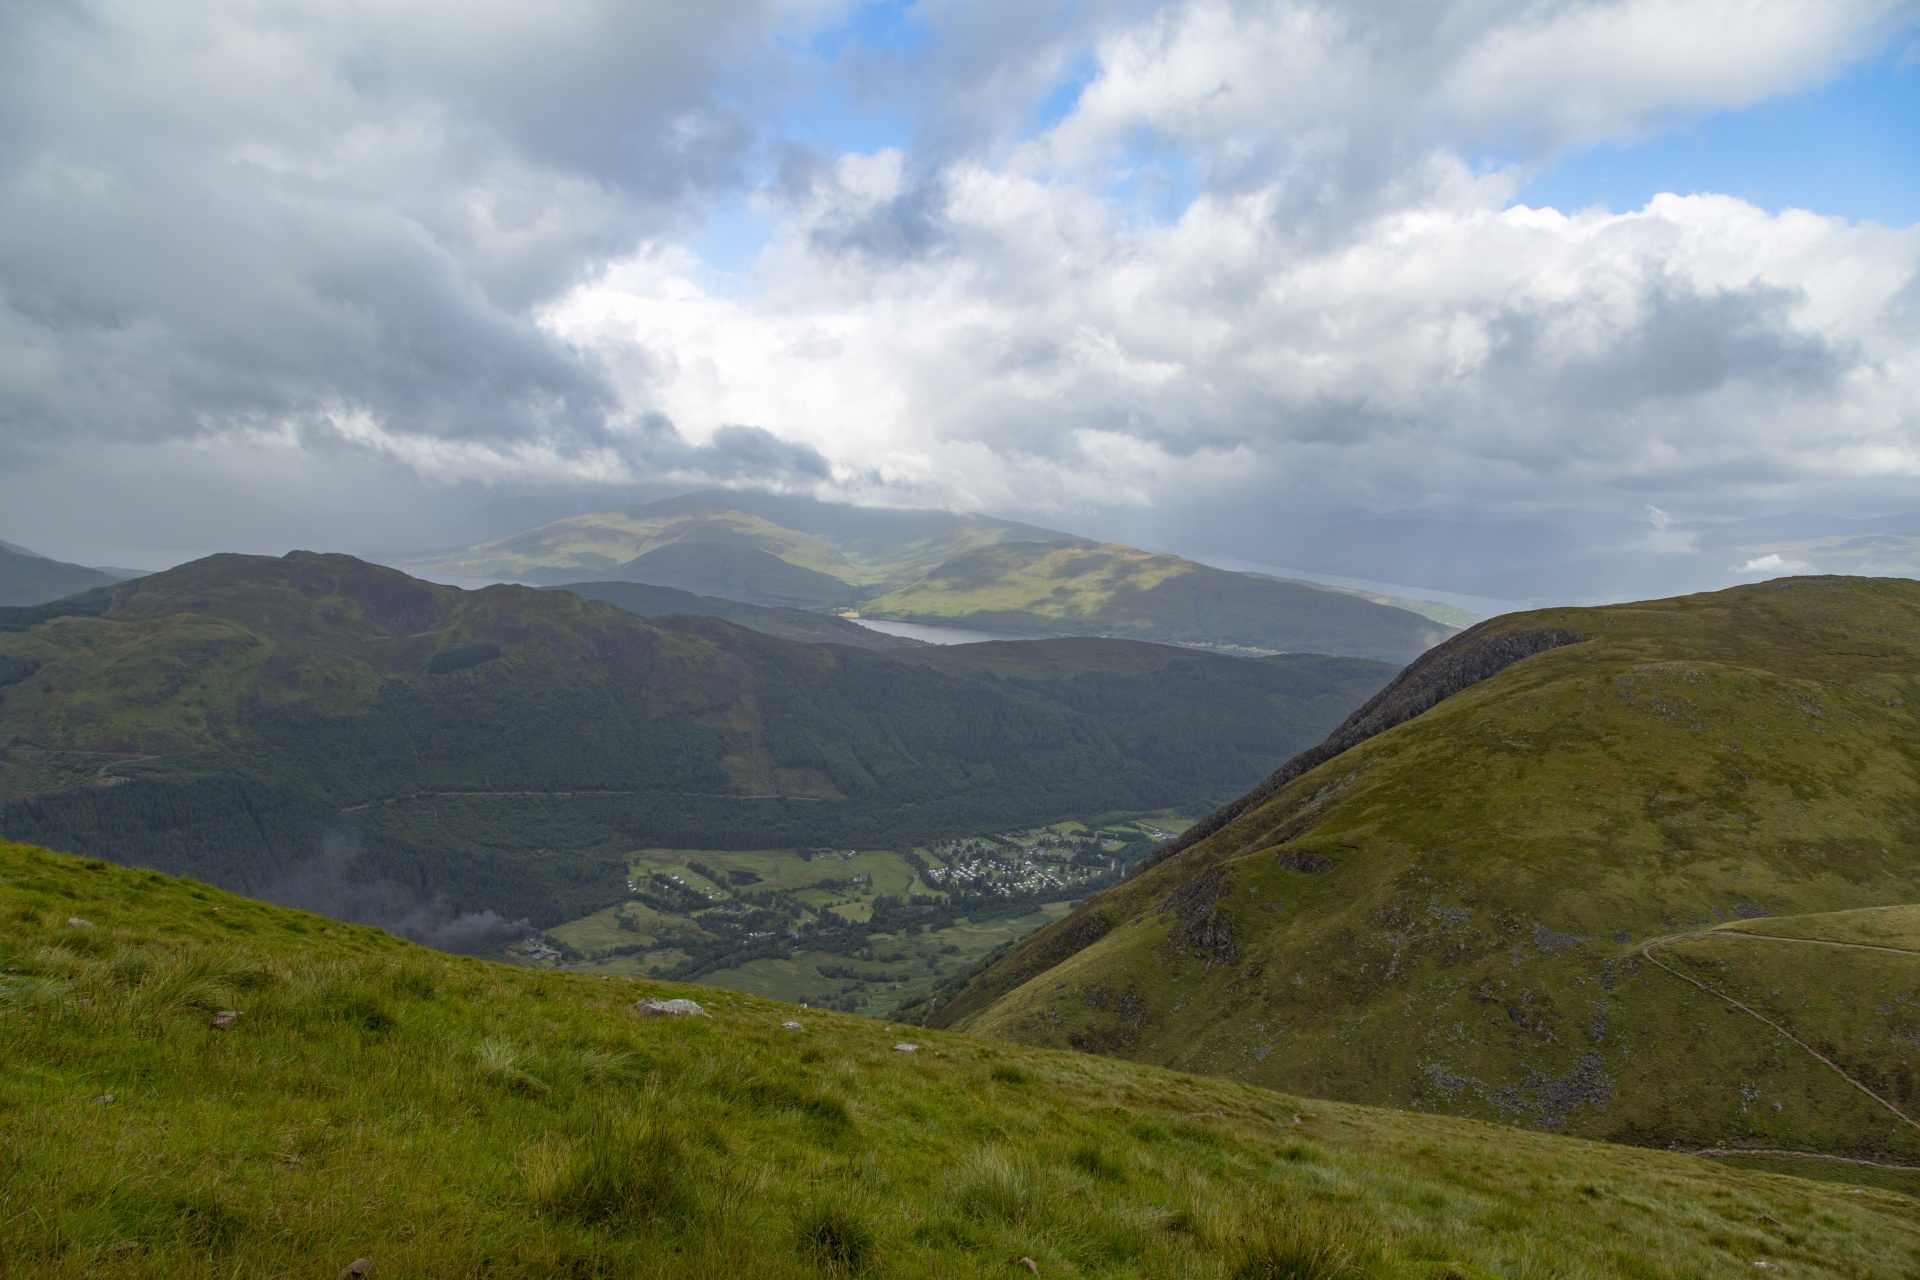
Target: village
<point x="865" y="930"/>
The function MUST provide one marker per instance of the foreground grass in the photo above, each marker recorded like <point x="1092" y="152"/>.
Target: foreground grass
<point x="447" y="1117"/>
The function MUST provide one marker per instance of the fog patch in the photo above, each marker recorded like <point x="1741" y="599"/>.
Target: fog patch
<point x="335" y="883"/>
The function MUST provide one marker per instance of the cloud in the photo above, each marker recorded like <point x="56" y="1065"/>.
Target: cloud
<point x="331" y="224"/>
<point x="1773" y="562"/>
<point x="1181" y="257"/>
<point x="1699" y="346"/>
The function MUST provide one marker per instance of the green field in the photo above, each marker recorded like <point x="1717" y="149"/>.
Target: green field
<point x="869" y="969"/>
<point x="447" y="1117"/>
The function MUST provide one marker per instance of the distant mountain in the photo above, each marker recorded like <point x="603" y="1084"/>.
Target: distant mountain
<point x="864" y="549"/>
<point x="747" y="574"/>
<point x="645" y="601"/>
<point x="1091" y="588"/>
<point x="27" y="578"/>
<point x="341" y="735"/>
<point x="1524" y="883"/>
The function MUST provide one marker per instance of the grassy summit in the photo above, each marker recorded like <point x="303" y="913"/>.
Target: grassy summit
<point x="1106" y="589"/>
<point x="1482" y="910"/>
<point x="445" y="1117"/>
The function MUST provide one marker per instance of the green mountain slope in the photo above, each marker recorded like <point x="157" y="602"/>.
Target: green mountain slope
<point x="443" y="1117"/>
<point x="646" y="601"/>
<point x="29" y="579"/>
<point x="1448" y="905"/>
<point x="1091" y="588"/>
<point x="747" y="574"/>
<point x="346" y="737"/>
<point x="867" y="548"/>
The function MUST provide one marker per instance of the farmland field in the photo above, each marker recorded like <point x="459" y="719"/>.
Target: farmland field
<point x="866" y="930"/>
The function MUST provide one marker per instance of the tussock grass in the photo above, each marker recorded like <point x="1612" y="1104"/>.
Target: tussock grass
<point x="451" y="1118"/>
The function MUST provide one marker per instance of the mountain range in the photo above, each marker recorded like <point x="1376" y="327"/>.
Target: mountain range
<point x="961" y="571"/>
<point x="1648" y="873"/>
<point x="341" y="735"/>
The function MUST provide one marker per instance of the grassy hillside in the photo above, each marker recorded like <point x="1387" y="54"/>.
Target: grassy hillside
<point x="740" y="573"/>
<point x="346" y="737"/>
<point x="1093" y="588"/>
<point x="445" y="1117"/>
<point x="868" y="549"/>
<point x="1455" y="914"/>
<point x="647" y="601"/>
<point x="28" y="579"/>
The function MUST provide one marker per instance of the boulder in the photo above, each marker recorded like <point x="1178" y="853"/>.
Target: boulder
<point x="651" y="1008"/>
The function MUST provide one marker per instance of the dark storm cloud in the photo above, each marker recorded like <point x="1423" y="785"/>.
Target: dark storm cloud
<point x="335" y="224"/>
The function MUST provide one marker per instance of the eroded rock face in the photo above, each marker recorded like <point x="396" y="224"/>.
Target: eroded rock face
<point x="1206" y="931"/>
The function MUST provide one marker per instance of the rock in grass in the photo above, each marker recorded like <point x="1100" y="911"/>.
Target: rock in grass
<point x="1030" y="1265"/>
<point x="651" y="1008"/>
<point x="907" y="1048"/>
<point x="356" y="1269"/>
<point x="75" y="922"/>
<point x="792" y="1026"/>
<point x="224" y="1019"/>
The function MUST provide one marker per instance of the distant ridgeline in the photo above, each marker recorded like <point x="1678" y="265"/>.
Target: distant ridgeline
<point x="1648" y="872"/>
<point x="343" y="736"/>
<point x="968" y="571"/>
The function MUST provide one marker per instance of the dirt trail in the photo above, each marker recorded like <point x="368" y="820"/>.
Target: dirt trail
<point x="1647" y="952"/>
<point x="1811" y="942"/>
<point x="1789" y="1153"/>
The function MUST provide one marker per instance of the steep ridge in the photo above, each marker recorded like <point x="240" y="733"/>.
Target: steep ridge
<point x="1452" y="914"/>
<point x="350" y="738"/>
<point x="1464" y="660"/>
<point x="1102" y="589"/>
<point x="196" y="1084"/>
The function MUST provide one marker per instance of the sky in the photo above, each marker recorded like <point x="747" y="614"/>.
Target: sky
<point x="281" y="273"/>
